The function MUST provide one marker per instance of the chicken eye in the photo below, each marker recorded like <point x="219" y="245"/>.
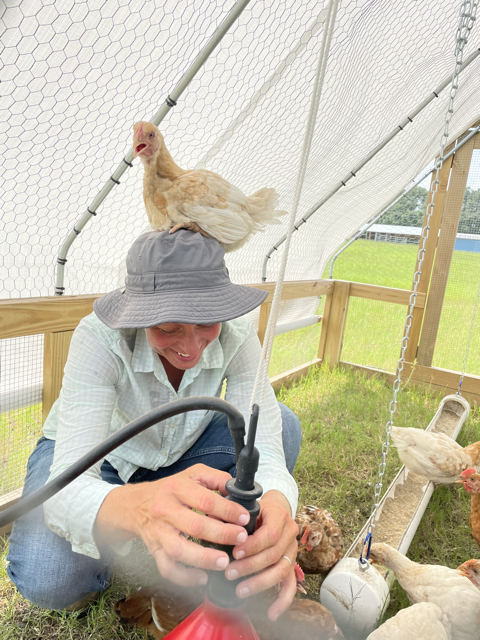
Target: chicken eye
<point x="150" y="135"/>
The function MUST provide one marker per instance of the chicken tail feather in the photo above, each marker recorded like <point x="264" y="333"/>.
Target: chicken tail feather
<point x="262" y="204"/>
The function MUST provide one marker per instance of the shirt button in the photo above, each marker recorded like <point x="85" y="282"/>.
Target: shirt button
<point x="164" y="453"/>
<point x="172" y="425"/>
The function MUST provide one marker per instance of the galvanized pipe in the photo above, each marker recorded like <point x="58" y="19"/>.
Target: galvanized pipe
<point x="170" y="102"/>
<point x="368" y="157"/>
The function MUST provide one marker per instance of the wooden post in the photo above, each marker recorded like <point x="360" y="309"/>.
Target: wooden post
<point x="324" y="330"/>
<point x="335" y="325"/>
<point x="430" y="246"/>
<point x="444" y="254"/>
<point x="265" y="309"/>
<point x="55" y="352"/>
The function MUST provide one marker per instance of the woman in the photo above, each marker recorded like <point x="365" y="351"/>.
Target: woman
<point x="169" y="333"/>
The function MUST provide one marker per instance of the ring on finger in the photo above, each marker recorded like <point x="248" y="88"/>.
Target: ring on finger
<point x="287" y="558"/>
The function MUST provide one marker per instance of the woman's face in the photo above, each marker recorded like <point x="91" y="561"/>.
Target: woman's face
<point x="182" y="344"/>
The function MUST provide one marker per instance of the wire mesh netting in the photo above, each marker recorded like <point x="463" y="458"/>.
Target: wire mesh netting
<point x="385" y="255"/>
<point x="462" y="285"/>
<point x="21" y="406"/>
<point x="77" y="75"/>
<point x="295" y="348"/>
<point x="373" y="333"/>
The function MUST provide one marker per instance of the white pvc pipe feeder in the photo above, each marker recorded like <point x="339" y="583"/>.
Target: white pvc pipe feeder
<point x="356" y="597"/>
<point x="286" y="327"/>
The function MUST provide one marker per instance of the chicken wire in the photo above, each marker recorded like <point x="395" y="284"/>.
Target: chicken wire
<point x="462" y="285"/>
<point x="75" y="77"/>
<point x="20" y="406"/>
<point x="373" y="333"/>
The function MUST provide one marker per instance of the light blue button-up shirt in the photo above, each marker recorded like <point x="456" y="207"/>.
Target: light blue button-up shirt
<point x="111" y="378"/>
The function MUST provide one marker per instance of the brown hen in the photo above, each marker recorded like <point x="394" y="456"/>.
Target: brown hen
<point x="471" y="481"/>
<point x="159" y="610"/>
<point x="320" y="540"/>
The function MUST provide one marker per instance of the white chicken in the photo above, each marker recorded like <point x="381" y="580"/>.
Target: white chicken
<point x="198" y="199"/>
<point x="448" y="588"/>
<point x="422" y="621"/>
<point x="434" y="455"/>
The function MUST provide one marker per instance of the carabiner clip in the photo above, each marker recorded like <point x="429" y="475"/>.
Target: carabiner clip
<point x="363" y="562"/>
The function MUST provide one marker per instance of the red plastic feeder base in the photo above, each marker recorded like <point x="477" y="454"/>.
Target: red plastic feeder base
<point x="210" y="622"/>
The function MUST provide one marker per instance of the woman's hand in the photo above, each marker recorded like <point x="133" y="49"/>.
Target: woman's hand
<point x="275" y="537"/>
<point x="159" y="512"/>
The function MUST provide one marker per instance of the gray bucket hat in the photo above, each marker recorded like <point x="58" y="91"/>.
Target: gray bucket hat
<point x="178" y="277"/>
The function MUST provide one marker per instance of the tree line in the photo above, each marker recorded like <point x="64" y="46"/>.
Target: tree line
<point x="408" y="212"/>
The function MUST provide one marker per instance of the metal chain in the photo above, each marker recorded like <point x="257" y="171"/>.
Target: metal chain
<point x="465" y="360"/>
<point x="468" y="12"/>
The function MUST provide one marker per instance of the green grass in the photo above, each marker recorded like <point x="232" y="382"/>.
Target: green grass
<point x="19" y="430"/>
<point x="343" y="416"/>
<point x="20" y="620"/>
<point x="374" y="329"/>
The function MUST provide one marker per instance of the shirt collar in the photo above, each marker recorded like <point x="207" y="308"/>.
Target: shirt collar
<point x="143" y="358"/>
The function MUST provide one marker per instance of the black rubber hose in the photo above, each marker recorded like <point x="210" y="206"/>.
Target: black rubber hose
<point x="236" y="424"/>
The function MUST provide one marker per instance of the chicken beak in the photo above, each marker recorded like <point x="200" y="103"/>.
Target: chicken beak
<point x="138" y="147"/>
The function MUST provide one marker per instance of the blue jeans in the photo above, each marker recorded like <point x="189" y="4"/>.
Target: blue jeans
<point x="42" y="564"/>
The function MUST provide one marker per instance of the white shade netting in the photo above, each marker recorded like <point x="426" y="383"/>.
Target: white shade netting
<point x="77" y="75"/>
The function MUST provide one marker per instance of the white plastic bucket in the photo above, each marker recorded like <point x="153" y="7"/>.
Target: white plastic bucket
<point x="356" y="598"/>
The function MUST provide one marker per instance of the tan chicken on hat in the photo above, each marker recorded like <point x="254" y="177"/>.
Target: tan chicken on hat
<point x="198" y="199"/>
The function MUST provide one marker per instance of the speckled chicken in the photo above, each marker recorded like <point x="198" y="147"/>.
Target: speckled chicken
<point x="198" y="199"/>
<point x="320" y="540"/>
<point x="422" y="621"/>
<point x="471" y="481"/>
<point x="160" y="611"/>
<point x="455" y="594"/>
<point x="434" y="455"/>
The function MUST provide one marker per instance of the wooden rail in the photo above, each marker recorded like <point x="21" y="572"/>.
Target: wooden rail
<point x="30" y="316"/>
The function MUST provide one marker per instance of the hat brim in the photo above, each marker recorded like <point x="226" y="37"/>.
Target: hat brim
<point x="122" y="309"/>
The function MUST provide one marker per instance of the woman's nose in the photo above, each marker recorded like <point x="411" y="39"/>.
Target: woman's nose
<point x="191" y="342"/>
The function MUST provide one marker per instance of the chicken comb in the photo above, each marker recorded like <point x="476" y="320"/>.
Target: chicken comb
<point x="469" y="563"/>
<point x="467" y="473"/>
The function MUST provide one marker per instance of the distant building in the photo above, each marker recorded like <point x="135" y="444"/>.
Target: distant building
<point x="411" y="235"/>
<point x="393" y="233"/>
<point x="467" y="242"/>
